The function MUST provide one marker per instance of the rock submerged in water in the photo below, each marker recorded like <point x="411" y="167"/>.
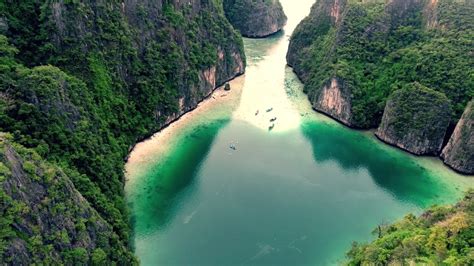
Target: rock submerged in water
<point x="459" y="152"/>
<point x="255" y="19"/>
<point x="407" y="114"/>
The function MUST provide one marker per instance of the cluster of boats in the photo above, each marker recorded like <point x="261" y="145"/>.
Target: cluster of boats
<point x="272" y="120"/>
<point x="272" y="125"/>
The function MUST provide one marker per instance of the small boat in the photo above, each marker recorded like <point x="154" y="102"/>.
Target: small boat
<point x="256" y="113"/>
<point x="273" y="119"/>
<point x="269" y="109"/>
<point x="271" y="127"/>
<point x="232" y="147"/>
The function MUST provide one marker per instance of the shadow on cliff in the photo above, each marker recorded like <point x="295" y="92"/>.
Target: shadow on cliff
<point x="390" y="169"/>
<point x="172" y="180"/>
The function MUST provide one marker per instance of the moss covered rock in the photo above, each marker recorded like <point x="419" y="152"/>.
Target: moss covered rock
<point x="255" y="18"/>
<point x="416" y="119"/>
<point x="459" y="152"/>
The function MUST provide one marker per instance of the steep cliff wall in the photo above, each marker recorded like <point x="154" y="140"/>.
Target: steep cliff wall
<point x="315" y="37"/>
<point x="45" y="220"/>
<point x="377" y="47"/>
<point x="193" y="34"/>
<point x="415" y="119"/>
<point x="459" y="152"/>
<point x="255" y="18"/>
<point x="334" y="99"/>
<point x="82" y="81"/>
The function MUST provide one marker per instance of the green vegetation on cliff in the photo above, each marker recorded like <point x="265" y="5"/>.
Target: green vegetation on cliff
<point x="408" y="112"/>
<point x="459" y="151"/>
<point x="45" y="220"/>
<point x="255" y="18"/>
<point x="377" y="48"/>
<point x="417" y="100"/>
<point x="82" y="81"/>
<point x="443" y="235"/>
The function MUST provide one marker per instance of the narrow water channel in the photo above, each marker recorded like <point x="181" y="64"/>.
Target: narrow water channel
<point x="296" y="195"/>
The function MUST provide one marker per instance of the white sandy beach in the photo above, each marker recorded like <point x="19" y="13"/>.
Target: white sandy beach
<point x="148" y="150"/>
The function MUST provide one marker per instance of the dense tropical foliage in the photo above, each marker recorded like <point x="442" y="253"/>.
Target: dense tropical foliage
<point x="82" y="81"/>
<point x="443" y="235"/>
<point x="377" y="48"/>
<point x="41" y="207"/>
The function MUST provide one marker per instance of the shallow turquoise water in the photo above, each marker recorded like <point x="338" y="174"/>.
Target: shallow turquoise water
<point x="296" y="195"/>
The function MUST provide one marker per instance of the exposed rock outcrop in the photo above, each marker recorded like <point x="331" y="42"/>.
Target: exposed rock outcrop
<point x="255" y="18"/>
<point x="415" y="119"/>
<point x="84" y="80"/>
<point x="459" y="152"/>
<point x="46" y="219"/>
<point x="370" y="47"/>
<point x="431" y="14"/>
<point x="324" y="15"/>
<point x="334" y="99"/>
<point x="205" y="59"/>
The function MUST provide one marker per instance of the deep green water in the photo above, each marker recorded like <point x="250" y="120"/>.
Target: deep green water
<point x="298" y="195"/>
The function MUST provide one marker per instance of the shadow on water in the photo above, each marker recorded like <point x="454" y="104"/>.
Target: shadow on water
<point x="171" y="180"/>
<point x="391" y="170"/>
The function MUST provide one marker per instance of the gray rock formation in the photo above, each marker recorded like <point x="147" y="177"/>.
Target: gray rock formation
<point x="45" y="219"/>
<point x="415" y="119"/>
<point x="255" y="18"/>
<point x="459" y="152"/>
<point x="368" y="47"/>
<point x="334" y="99"/>
<point x="104" y="74"/>
<point x="146" y="23"/>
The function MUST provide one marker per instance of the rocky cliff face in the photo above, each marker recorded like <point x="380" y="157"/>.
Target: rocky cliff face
<point x="376" y="47"/>
<point x="82" y="81"/>
<point x="415" y="119"/>
<point x="335" y="100"/>
<point x="333" y="96"/>
<point x="255" y="18"/>
<point x="459" y="152"/>
<point x="45" y="220"/>
<point x="324" y="15"/>
<point x="207" y="57"/>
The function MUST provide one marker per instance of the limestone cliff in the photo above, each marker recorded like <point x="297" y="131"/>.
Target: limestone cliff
<point x="45" y="220"/>
<point x="324" y="15"/>
<point x="376" y="47"/>
<point x="255" y="18"/>
<point x="459" y="152"/>
<point x="415" y="119"/>
<point x="207" y="50"/>
<point x="82" y="81"/>
<point x="334" y="99"/>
